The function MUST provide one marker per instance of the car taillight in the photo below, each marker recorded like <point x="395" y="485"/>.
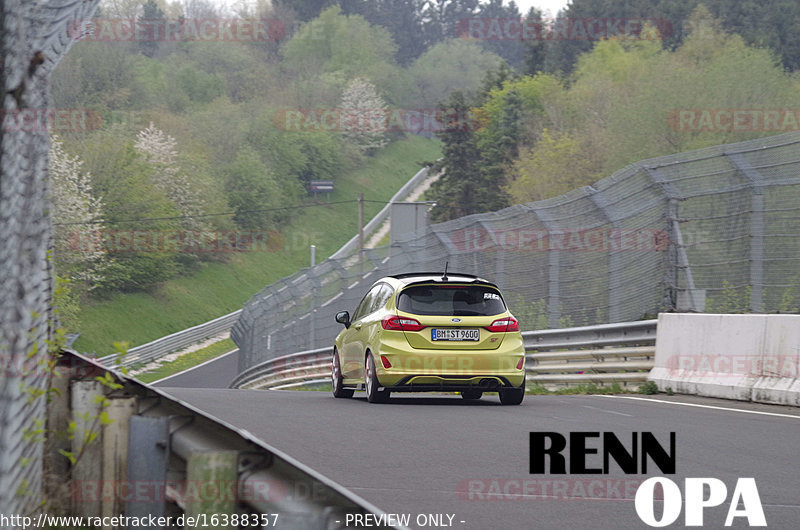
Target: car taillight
<point x="504" y="324"/>
<point x="385" y="361"/>
<point x="396" y="323"/>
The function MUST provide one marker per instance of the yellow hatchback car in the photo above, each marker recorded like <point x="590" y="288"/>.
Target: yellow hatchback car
<point x="423" y="332"/>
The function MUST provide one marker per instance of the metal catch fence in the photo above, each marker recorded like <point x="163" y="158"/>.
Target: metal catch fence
<point x="33" y="39"/>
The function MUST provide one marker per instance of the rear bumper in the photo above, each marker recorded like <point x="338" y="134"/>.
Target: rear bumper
<point x="420" y="370"/>
<point x="429" y="383"/>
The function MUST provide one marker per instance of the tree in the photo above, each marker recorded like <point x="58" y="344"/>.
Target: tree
<point x="160" y="151"/>
<point x="151" y="14"/>
<point x="775" y="24"/>
<point x="334" y="42"/>
<point x="133" y="205"/>
<point x="201" y="9"/>
<point x="494" y="79"/>
<point x="451" y="65"/>
<point x="306" y="9"/>
<point x="463" y="188"/>
<point x="326" y="53"/>
<point x="535" y="49"/>
<point x="297" y="156"/>
<point x="625" y="100"/>
<point x="511" y="50"/>
<point x="190" y="87"/>
<point x="402" y="18"/>
<point x="253" y="191"/>
<point x="556" y="165"/>
<point x="442" y="18"/>
<point x="77" y="217"/>
<point x="364" y="116"/>
<point x="499" y="141"/>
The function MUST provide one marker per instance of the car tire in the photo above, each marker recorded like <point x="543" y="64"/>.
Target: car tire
<point x="339" y="391"/>
<point x="512" y="396"/>
<point x="472" y="394"/>
<point x="371" y="382"/>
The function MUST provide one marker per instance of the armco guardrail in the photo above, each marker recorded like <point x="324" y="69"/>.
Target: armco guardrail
<point x="155" y="457"/>
<point x="177" y="341"/>
<point x="295" y="368"/>
<point x="609" y="353"/>
<point x="160" y="347"/>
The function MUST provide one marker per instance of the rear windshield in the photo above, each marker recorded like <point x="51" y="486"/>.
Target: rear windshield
<point x="451" y="300"/>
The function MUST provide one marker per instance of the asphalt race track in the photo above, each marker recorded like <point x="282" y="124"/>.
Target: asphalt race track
<point x="426" y="454"/>
<point x="217" y="373"/>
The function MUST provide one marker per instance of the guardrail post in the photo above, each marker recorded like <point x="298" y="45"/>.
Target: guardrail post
<point x="87" y="448"/>
<point x="115" y="451"/>
<point x="56" y="465"/>
<point x="211" y="484"/>
<point x="148" y="454"/>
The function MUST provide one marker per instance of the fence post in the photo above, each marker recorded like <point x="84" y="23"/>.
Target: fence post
<point x="553" y="270"/>
<point x="677" y="254"/>
<point x="756" y="181"/>
<point x="614" y="261"/>
<point x="672" y="269"/>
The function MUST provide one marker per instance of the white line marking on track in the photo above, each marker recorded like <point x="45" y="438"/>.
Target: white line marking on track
<point x="609" y="411"/>
<point x="792" y="416"/>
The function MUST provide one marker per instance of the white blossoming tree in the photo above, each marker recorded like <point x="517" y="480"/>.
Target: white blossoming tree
<point x="160" y="151"/>
<point x="363" y="116"/>
<point x="77" y="216"/>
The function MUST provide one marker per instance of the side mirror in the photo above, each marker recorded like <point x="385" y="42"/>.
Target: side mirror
<point x="343" y="317"/>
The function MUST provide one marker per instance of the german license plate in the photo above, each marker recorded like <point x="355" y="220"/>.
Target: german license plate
<point x="455" y="334"/>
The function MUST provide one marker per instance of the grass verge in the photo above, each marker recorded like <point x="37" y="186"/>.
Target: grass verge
<point x="189" y="360"/>
<point x="583" y="389"/>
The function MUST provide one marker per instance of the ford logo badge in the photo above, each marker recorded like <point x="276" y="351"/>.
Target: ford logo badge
<point x="455" y="320"/>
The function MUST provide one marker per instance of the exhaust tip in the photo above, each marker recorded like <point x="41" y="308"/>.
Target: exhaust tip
<point x="488" y="383"/>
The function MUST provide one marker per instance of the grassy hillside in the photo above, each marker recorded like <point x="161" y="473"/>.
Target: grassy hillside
<point x="219" y="288"/>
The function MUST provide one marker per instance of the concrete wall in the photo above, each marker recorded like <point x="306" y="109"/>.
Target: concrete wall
<point x="745" y="357"/>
